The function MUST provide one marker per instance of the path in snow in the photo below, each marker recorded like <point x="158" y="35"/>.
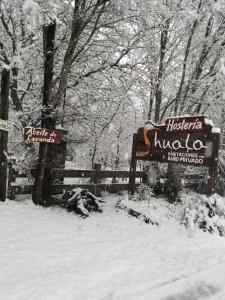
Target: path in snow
<point x="48" y="254"/>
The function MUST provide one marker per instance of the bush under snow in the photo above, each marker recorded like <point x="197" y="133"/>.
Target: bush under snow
<point x="193" y="211"/>
<point x="200" y="211"/>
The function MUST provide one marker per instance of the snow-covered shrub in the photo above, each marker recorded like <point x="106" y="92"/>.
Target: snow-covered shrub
<point x="207" y="213"/>
<point x="220" y="185"/>
<point x="144" y="192"/>
<point x="220" y="182"/>
<point x="139" y="210"/>
<point x="23" y="158"/>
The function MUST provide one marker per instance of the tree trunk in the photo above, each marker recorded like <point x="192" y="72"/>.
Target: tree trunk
<point x="159" y="93"/>
<point x="174" y="182"/>
<point x="151" y="99"/>
<point x="4" y="110"/>
<point x="42" y="192"/>
<point x="14" y="90"/>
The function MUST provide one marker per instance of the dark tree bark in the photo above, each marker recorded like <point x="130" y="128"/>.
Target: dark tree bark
<point x="151" y="99"/>
<point x="4" y="109"/>
<point x="43" y="180"/>
<point x="158" y="92"/>
<point x="174" y="182"/>
<point x="14" y="90"/>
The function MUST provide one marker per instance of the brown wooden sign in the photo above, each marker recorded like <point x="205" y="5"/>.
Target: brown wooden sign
<point x="42" y="135"/>
<point x="185" y="140"/>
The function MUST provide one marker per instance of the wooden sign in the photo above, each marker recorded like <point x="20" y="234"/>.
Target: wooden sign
<point x="5" y="125"/>
<point x="185" y="140"/>
<point x="42" y="135"/>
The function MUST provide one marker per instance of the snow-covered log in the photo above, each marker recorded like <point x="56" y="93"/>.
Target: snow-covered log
<point x="81" y="201"/>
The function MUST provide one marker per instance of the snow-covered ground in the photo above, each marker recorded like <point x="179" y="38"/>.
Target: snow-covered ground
<point x="50" y="254"/>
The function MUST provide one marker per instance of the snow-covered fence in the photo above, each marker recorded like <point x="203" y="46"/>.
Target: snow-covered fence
<point x="23" y="184"/>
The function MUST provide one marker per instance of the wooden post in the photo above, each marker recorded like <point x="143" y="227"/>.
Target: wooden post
<point x="213" y="168"/>
<point x="4" y="111"/>
<point x="11" y="180"/>
<point x="58" y="153"/>
<point x="133" y="165"/>
<point x="43" y="179"/>
<point x="97" y="167"/>
<point x="144" y="178"/>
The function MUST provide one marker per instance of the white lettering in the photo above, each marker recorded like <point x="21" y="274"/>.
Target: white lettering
<point x="170" y="125"/>
<point x="177" y="144"/>
<point x="183" y="124"/>
<point x="200" y="145"/>
<point x="29" y="131"/>
<point x="187" y="141"/>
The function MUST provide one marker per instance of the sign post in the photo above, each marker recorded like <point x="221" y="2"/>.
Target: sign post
<point x="4" y="109"/>
<point x="214" y="164"/>
<point x="133" y="164"/>
<point x="185" y="140"/>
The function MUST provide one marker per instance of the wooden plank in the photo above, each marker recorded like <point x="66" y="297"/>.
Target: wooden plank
<point x="21" y="189"/>
<point x="58" y="189"/>
<point x="93" y="188"/>
<point x="31" y="173"/>
<point x="69" y="173"/>
<point x="96" y="189"/>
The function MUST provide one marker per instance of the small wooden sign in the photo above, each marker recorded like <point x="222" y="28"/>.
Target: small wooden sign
<point x="5" y="125"/>
<point x="42" y="135"/>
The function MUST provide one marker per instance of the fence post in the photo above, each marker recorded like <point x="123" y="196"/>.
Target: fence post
<point x="133" y="165"/>
<point x="11" y="179"/>
<point x="4" y="112"/>
<point x="58" y="151"/>
<point x="213" y="168"/>
<point x="97" y="167"/>
<point x="145" y="177"/>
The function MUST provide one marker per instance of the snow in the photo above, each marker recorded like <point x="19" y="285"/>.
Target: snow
<point x="209" y="122"/>
<point x="181" y="116"/>
<point x="60" y="127"/>
<point x="149" y="125"/>
<point x="29" y="6"/>
<point x="31" y="11"/>
<point x="216" y="130"/>
<point x="219" y="5"/>
<point x="5" y="66"/>
<point x="48" y="253"/>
